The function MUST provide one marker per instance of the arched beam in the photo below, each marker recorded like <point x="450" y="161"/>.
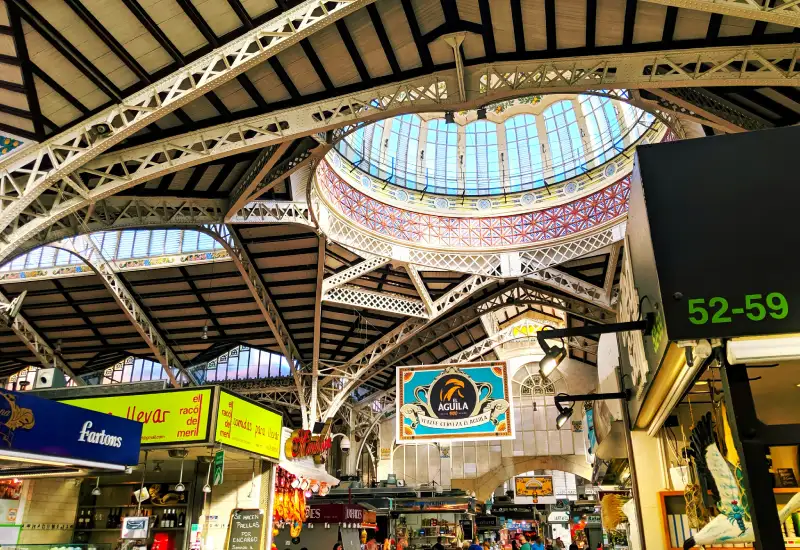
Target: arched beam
<point x="85" y="248"/>
<point x="39" y="346"/>
<point x="28" y="175"/>
<point x="84" y="182"/>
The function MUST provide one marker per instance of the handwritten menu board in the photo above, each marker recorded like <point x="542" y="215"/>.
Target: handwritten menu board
<point x="247" y="530"/>
<point x="170" y="416"/>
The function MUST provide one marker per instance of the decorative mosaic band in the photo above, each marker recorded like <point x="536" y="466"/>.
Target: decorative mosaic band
<point x="555" y="222"/>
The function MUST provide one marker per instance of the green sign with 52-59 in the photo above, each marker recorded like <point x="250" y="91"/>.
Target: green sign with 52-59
<point x="755" y="307"/>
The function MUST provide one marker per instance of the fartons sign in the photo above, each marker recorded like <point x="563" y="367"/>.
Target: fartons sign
<point x="456" y="402"/>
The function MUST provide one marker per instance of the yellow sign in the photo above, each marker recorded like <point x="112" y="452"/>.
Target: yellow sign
<point x="170" y="416"/>
<point x="247" y="426"/>
<point x="537" y="486"/>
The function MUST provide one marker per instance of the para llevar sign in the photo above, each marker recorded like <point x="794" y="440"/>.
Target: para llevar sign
<point x="713" y="233"/>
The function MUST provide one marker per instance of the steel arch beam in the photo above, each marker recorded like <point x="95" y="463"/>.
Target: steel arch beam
<point x="247" y="268"/>
<point x="782" y="12"/>
<point x="39" y="346"/>
<point x="28" y="175"/>
<point x="78" y="183"/>
<point x="85" y="248"/>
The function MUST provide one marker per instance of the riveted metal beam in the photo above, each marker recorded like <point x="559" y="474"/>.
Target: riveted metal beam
<point x="780" y="12"/>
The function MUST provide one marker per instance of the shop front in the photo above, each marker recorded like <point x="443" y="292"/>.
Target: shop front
<point x="419" y="522"/>
<point x="206" y="458"/>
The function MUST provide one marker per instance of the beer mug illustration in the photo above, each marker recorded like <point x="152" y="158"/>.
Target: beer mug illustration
<point x="453" y="395"/>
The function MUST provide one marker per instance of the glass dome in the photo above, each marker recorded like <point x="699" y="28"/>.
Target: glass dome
<point x="518" y="145"/>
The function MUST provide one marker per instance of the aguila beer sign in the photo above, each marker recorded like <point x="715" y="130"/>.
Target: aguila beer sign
<point x="303" y="444"/>
<point x="454" y="402"/>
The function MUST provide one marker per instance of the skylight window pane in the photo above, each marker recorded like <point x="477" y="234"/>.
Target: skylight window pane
<point x="110" y="244"/>
<point x="157" y="239"/>
<point x="141" y="243"/>
<point x="190" y="239"/>
<point x="62" y="257"/>
<point x="126" y="245"/>
<point x="205" y="242"/>
<point x="172" y="242"/>
<point x="48" y="257"/>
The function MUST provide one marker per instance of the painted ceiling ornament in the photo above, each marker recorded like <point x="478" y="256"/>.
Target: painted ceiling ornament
<point x="732" y="524"/>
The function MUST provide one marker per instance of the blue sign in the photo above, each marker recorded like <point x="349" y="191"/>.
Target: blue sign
<point x="30" y="424"/>
<point x="454" y="402"/>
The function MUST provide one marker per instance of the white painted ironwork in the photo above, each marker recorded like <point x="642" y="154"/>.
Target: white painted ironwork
<point x="781" y="12"/>
<point x="255" y="173"/>
<point x="264" y="392"/>
<point x="573" y="285"/>
<point x="85" y="248"/>
<point x="50" y="163"/>
<point x="258" y="212"/>
<point x="419" y="285"/>
<point x="247" y="268"/>
<point x="82" y="182"/>
<point x="38" y="345"/>
<point x="629" y="310"/>
<point x="367" y="358"/>
<point x="382" y="301"/>
<point x="353" y="272"/>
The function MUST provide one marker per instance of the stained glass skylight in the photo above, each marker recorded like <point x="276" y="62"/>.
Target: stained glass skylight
<point x="511" y="151"/>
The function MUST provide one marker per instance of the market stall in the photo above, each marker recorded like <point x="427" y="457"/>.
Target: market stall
<point x="419" y="522"/>
<point x="205" y="452"/>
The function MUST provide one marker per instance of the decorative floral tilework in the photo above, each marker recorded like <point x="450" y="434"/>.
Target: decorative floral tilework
<point x="495" y="231"/>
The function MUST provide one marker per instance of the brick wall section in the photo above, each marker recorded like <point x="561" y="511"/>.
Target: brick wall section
<point x="48" y="502"/>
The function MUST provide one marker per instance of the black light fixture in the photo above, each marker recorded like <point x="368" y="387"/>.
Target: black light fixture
<point x="482" y="113"/>
<point x="553" y="355"/>
<point x="565" y="412"/>
<point x="449" y="117"/>
<point x="205" y="332"/>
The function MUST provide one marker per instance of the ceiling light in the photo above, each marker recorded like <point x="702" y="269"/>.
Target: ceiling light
<point x="482" y="113"/>
<point x="205" y="332"/>
<point x="563" y="416"/>
<point x="180" y="487"/>
<point x="449" y="117"/>
<point x="157" y="467"/>
<point x="553" y="357"/>
<point x="701" y="383"/>
<point x="96" y="491"/>
<point x="206" y="488"/>
<point x="564" y="412"/>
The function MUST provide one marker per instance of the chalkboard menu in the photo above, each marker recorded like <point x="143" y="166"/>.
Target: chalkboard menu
<point x="247" y="530"/>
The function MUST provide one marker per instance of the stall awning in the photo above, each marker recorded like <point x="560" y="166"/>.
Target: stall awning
<point x="308" y="471"/>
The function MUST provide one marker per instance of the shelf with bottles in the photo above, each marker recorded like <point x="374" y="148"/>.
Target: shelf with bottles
<point x="89" y="521"/>
<point x="155" y="506"/>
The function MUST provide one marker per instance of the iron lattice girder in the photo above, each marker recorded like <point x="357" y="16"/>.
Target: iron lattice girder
<point x="353" y="272"/>
<point x="265" y="391"/>
<point x="781" y="12"/>
<point x="358" y="367"/>
<point x="49" y="162"/>
<point x="704" y="104"/>
<point x="573" y="285"/>
<point x="39" y="346"/>
<point x="74" y="182"/>
<point x="255" y="173"/>
<point x="247" y="268"/>
<point x="518" y="294"/>
<point x="85" y="248"/>
<point x="381" y="301"/>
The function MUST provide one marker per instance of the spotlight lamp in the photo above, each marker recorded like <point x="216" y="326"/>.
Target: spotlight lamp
<point x="554" y="355"/>
<point x="482" y="113"/>
<point x="565" y="411"/>
<point x="449" y="117"/>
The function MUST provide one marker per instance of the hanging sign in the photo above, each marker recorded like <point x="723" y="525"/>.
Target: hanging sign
<point x="334" y="513"/>
<point x="248" y="426"/>
<point x="533" y="486"/>
<point x="219" y="466"/>
<point x="735" y="217"/>
<point x="32" y="425"/>
<point x="303" y="444"/>
<point x="460" y="402"/>
<point x="487" y="522"/>
<point x="246" y="530"/>
<point x="135" y="527"/>
<point x="169" y="416"/>
<point x="558" y="517"/>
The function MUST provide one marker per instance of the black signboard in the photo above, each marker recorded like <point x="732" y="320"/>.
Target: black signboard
<point x="487" y="523"/>
<point x="717" y="217"/>
<point x="247" y="530"/>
